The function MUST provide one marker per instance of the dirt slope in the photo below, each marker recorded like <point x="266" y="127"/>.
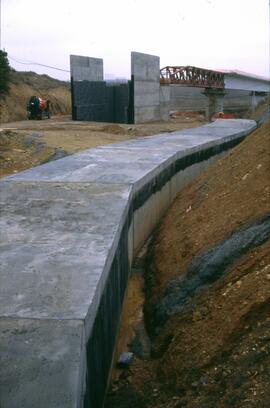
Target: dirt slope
<point x="25" y="84"/>
<point x="212" y="350"/>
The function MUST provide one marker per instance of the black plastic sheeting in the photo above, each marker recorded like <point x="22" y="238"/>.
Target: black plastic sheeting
<point x="100" y="102"/>
<point x="208" y="267"/>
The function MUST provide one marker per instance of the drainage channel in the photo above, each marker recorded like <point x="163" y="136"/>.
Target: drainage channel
<point x="178" y="297"/>
<point x="133" y="341"/>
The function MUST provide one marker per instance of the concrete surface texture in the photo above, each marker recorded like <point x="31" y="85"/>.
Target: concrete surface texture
<point x="69" y="230"/>
<point x="144" y="99"/>
<point x="246" y="82"/>
<point x="215" y="101"/>
<point x="145" y="73"/>
<point x="86" y="68"/>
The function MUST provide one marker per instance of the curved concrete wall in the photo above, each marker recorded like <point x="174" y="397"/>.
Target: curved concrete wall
<point x="69" y="230"/>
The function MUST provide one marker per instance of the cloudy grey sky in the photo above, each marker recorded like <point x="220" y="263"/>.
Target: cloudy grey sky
<point x="217" y="34"/>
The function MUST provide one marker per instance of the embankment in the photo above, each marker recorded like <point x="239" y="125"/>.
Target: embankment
<point x="23" y="85"/>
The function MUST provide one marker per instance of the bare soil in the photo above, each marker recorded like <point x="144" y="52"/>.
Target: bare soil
<point x="23" y="85"/>
<point x="18" y="153"/>
<point x="217" y="352"/>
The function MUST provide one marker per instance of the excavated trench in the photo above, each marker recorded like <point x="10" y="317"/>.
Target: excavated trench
<point x="133" y="336"/>
<point x="204" y="294"/>
<point x="178" y="297"/>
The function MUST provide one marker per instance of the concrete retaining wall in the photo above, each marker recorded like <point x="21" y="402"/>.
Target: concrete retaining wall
<point x="180" y="98"/>
<point x="188" y="99"/>
<point x="69" y="231"/>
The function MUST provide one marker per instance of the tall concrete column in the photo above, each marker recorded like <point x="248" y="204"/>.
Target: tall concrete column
<point x="253" y="101"/>
<point x="86" y="72"/>
<point x="215" y="101"/>
<point x="145" y="76"/>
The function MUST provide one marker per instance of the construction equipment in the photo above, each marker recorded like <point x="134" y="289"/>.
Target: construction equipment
<point x="222" y="115"/>
<point x="38" y="108"/>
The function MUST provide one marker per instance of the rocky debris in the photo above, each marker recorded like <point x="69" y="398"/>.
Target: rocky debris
<point x="58" y="154"/>
<point x="125" y="359"/>
<point x="21" y="150"/>
<point x="140" y="344"/>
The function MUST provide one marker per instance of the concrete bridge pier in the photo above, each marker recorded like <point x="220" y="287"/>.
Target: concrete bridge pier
<point x="215" y="101"/>
<point x="254" y="101"/>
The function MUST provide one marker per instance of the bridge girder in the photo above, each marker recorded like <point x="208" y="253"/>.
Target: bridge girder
<point x="192" y="76"/>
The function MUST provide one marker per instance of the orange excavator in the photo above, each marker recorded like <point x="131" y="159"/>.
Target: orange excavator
<point x="38" y="108"/>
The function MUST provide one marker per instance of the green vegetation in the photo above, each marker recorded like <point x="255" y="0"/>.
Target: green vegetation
<point x="4" y="72"/>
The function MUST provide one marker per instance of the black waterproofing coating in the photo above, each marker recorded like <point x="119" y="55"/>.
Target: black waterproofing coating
<point x="98" y="101"/>
<point x="181" y="164"/>
<point x="100" y="346"/>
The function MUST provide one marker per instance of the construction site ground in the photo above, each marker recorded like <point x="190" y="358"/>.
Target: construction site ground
<point x="215" y="352"/>
<point x="28" y="143"/>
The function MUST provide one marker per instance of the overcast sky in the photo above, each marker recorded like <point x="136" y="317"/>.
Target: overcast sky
<point x="228" y="34"/>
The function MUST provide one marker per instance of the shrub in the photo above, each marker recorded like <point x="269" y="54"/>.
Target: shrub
<point x="4" y="72"/>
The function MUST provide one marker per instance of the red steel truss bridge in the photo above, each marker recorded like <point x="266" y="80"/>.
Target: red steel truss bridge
<point x="192" y="76"/>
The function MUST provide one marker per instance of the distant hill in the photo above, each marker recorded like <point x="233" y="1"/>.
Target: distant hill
<point x="25" y="84"/>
